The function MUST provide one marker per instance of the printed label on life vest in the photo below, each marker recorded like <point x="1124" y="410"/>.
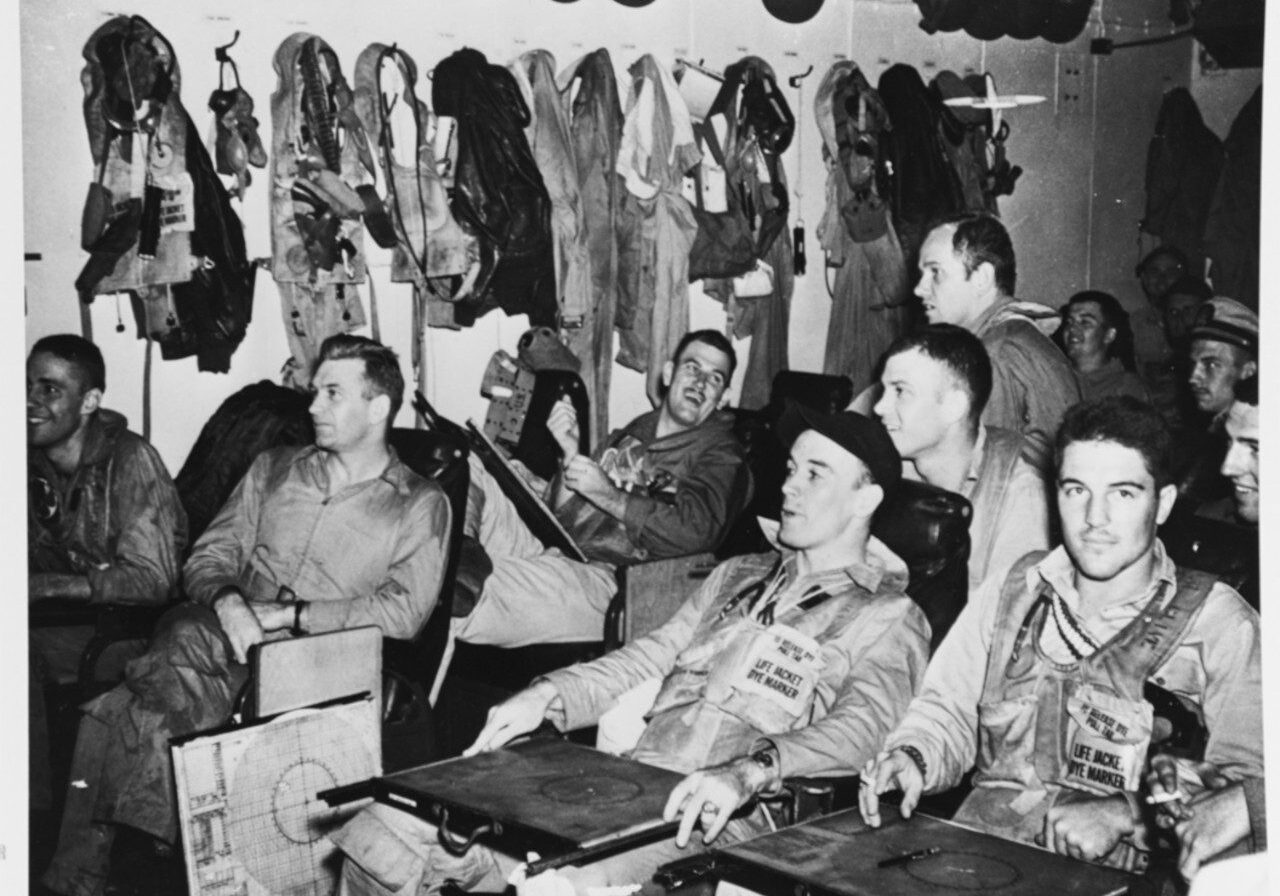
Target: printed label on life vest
<point x="177" y="206"/>
<point x="781" y="666"/>
<point x="1106" y="742"/>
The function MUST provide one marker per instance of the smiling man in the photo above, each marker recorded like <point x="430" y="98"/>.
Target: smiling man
<point x="1043" y="683"/>
<point x="330" y="536"/>
<point x="1221" y="536"/>
<point x="104" y="523"/>
<point x="968" y="274"/>
<point x="1243" y="426"/>
<point x="826" y="615"/>
<point x="669" y="483"/>
<point x="1098" y="339"/>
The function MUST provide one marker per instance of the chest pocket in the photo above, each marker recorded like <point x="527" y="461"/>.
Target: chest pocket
<point x="1007" y="740"/>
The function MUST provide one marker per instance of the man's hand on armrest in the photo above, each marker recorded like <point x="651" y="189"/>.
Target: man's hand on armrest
<point x="894" y="770"/>
<point x="239" y="622"/>
<point x="713" y="794"/>
<point x="513" y="717"/>
<point x="43" y="585"/>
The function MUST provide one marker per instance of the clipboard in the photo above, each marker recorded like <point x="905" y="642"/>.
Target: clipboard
<point x="569" y="801"/>
<point x="840" y="855"/>
<point x="532" y="509"/>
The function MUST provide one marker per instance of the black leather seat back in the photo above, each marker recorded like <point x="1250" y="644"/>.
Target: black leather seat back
<point x="260" y="416"/>
<point x="928" y="527"/>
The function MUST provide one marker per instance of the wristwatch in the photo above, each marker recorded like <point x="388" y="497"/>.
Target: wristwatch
<point x="767" y="759"/>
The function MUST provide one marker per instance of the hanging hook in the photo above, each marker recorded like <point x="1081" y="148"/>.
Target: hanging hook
<point x="220" y="53"/>
<point x="795" y="80"/>
<point x="224" y="59"/>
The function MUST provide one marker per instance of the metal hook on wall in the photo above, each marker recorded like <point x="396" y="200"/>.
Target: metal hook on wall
<point x="795" y="80"/>
<point x="224" y="59"/>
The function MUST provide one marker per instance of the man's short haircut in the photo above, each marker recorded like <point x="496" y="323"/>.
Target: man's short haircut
<point x="382" y="374"/>
<point x="713" y="338"/>
<point x="1188" y="285"/>
<point x="1114" y="317"/>
<point x="1246" y="390"/>
<point x="1159" y="251"/>
<point x="1125" y="420"/>
<point x="80" y="353"/>
<point x="980" y="237"/>
<point x="961" y="352"/>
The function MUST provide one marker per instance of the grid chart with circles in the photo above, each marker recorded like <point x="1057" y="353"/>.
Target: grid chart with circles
<point x="251" y="822"/>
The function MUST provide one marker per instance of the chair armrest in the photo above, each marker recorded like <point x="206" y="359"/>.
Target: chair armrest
<point x="111" y="622"/>
<point x="802" y="797"/>
<point x="51" y="612"/>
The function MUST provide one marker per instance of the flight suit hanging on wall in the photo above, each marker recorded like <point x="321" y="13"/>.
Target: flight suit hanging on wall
<point x="760" y="129"/>
<point x="319" y="153"/>
<point x="498" y="193"/>
<point x="552" y="145"/>
<point x="656" y="226"/>
<point x="589" y="93"/>
<point x="856" y="231"/>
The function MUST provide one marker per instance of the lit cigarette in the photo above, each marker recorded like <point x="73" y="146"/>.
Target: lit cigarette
<point x="1164" y="796"/>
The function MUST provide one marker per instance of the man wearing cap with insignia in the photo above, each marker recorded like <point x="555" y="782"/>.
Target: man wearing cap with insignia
<point x="797" y="661"/>
<point x="1224" y="351"/>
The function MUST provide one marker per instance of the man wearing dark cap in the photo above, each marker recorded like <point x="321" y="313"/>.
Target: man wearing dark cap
<point x="793" y="662"/>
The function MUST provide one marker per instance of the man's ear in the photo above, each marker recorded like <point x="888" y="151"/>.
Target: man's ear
<point x="90" y="402"/>
<point x="1248" y="369"/>
<point x="984" y="276"/>
<point x="379" y="408"/>
<point x="668" y="371"/>
<point x="955" y="405"/>
<point x="1168" y="497"/>
<point x="867" y="498"/>
<point x="1109" y="336"/>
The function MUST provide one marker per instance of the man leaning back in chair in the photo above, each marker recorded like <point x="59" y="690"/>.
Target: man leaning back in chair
<point x="669" y="483"/>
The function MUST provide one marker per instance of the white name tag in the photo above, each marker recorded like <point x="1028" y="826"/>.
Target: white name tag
<point x="781" y="666"/>
<point x="1106" y="742"/>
